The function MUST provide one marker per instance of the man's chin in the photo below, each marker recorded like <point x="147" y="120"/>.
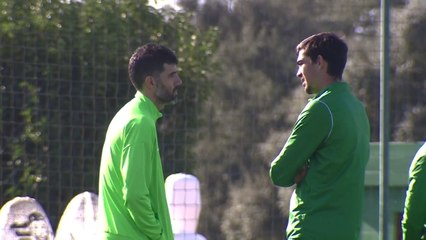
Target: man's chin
<point x="308" y="90"/>
<point x="170" y="101"/>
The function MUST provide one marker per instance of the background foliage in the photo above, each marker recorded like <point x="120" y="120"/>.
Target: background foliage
<point x="64" y="75"/>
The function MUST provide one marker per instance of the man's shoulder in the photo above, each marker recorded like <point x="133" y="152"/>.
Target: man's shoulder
<point x="128" y="118"/>
<point x="318" y="104"/>
<point x="134" y="111"/>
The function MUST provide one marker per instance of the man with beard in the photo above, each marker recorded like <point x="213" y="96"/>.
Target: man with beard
<point x="328" y="149"/>
<point x="132" y="201"/>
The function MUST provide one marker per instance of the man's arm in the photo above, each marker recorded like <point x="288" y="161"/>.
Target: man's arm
<point x="311" y="129"/>
<point x="301" y="174"/>
<point x="137" y="173"/>
<point x="415" y="208"/>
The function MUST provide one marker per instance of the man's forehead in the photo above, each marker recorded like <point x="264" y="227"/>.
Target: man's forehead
<point x="301" y="55"/>
<point x="168" y="67"/>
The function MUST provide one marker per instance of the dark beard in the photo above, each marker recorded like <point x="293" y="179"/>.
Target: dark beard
<point x="165" y="96"/>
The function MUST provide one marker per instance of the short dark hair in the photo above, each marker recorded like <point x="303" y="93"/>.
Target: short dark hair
<point x="332" y="48"/>
<point x="148" y="60"/>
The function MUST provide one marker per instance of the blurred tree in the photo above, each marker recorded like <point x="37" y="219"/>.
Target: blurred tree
<point x="407" y="69"/>
<point x="189" y="5"/>
<point x="409" y="88"/>
<point x="362" y="68"/>
<point x="248" y="214"/>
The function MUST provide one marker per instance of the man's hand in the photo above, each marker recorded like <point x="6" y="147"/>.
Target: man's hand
<point x="301" y="174"/>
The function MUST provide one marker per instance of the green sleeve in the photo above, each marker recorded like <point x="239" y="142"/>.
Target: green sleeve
<point x="137" y="172"/>
<point x="414" y="219"/>
<point x="312" y="127"/>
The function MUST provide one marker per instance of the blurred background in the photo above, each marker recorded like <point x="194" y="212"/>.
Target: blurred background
<point x="63" y="76"/>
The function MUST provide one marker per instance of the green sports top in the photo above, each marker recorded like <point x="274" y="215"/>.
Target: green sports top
<point x="132" y="201"/>
<point x="331" y="136"/>
<point x="414" y="219"/>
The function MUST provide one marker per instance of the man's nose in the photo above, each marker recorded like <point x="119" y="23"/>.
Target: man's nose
<point x="299" y="73"/>
<point x="179" y="81"/>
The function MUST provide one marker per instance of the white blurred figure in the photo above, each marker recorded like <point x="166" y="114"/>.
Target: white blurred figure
<point x="184" y="200"/>
<point x="78" y="222"/>
<point x="24" y="218"/>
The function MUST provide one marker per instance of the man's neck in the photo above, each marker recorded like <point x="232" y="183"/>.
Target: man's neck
<point x="153" y="98"/>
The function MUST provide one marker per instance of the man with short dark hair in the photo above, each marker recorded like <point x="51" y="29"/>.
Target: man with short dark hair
<point x="328" y="149"/>
<point x="132" y="200"/>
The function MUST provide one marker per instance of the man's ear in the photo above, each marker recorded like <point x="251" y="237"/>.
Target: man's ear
<point x="149" y="82"/>
<point x="321" y="62"/>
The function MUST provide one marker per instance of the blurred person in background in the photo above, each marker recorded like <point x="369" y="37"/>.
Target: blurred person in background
<point x="328" y="149"/>
<point x="132" y="200"/>
<point x="414" y="218"/>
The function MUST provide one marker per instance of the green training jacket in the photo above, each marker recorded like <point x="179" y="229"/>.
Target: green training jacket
<point x="132" y="200"/>
<point x="331" y="136"/>
<point x="414" y="218"/>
